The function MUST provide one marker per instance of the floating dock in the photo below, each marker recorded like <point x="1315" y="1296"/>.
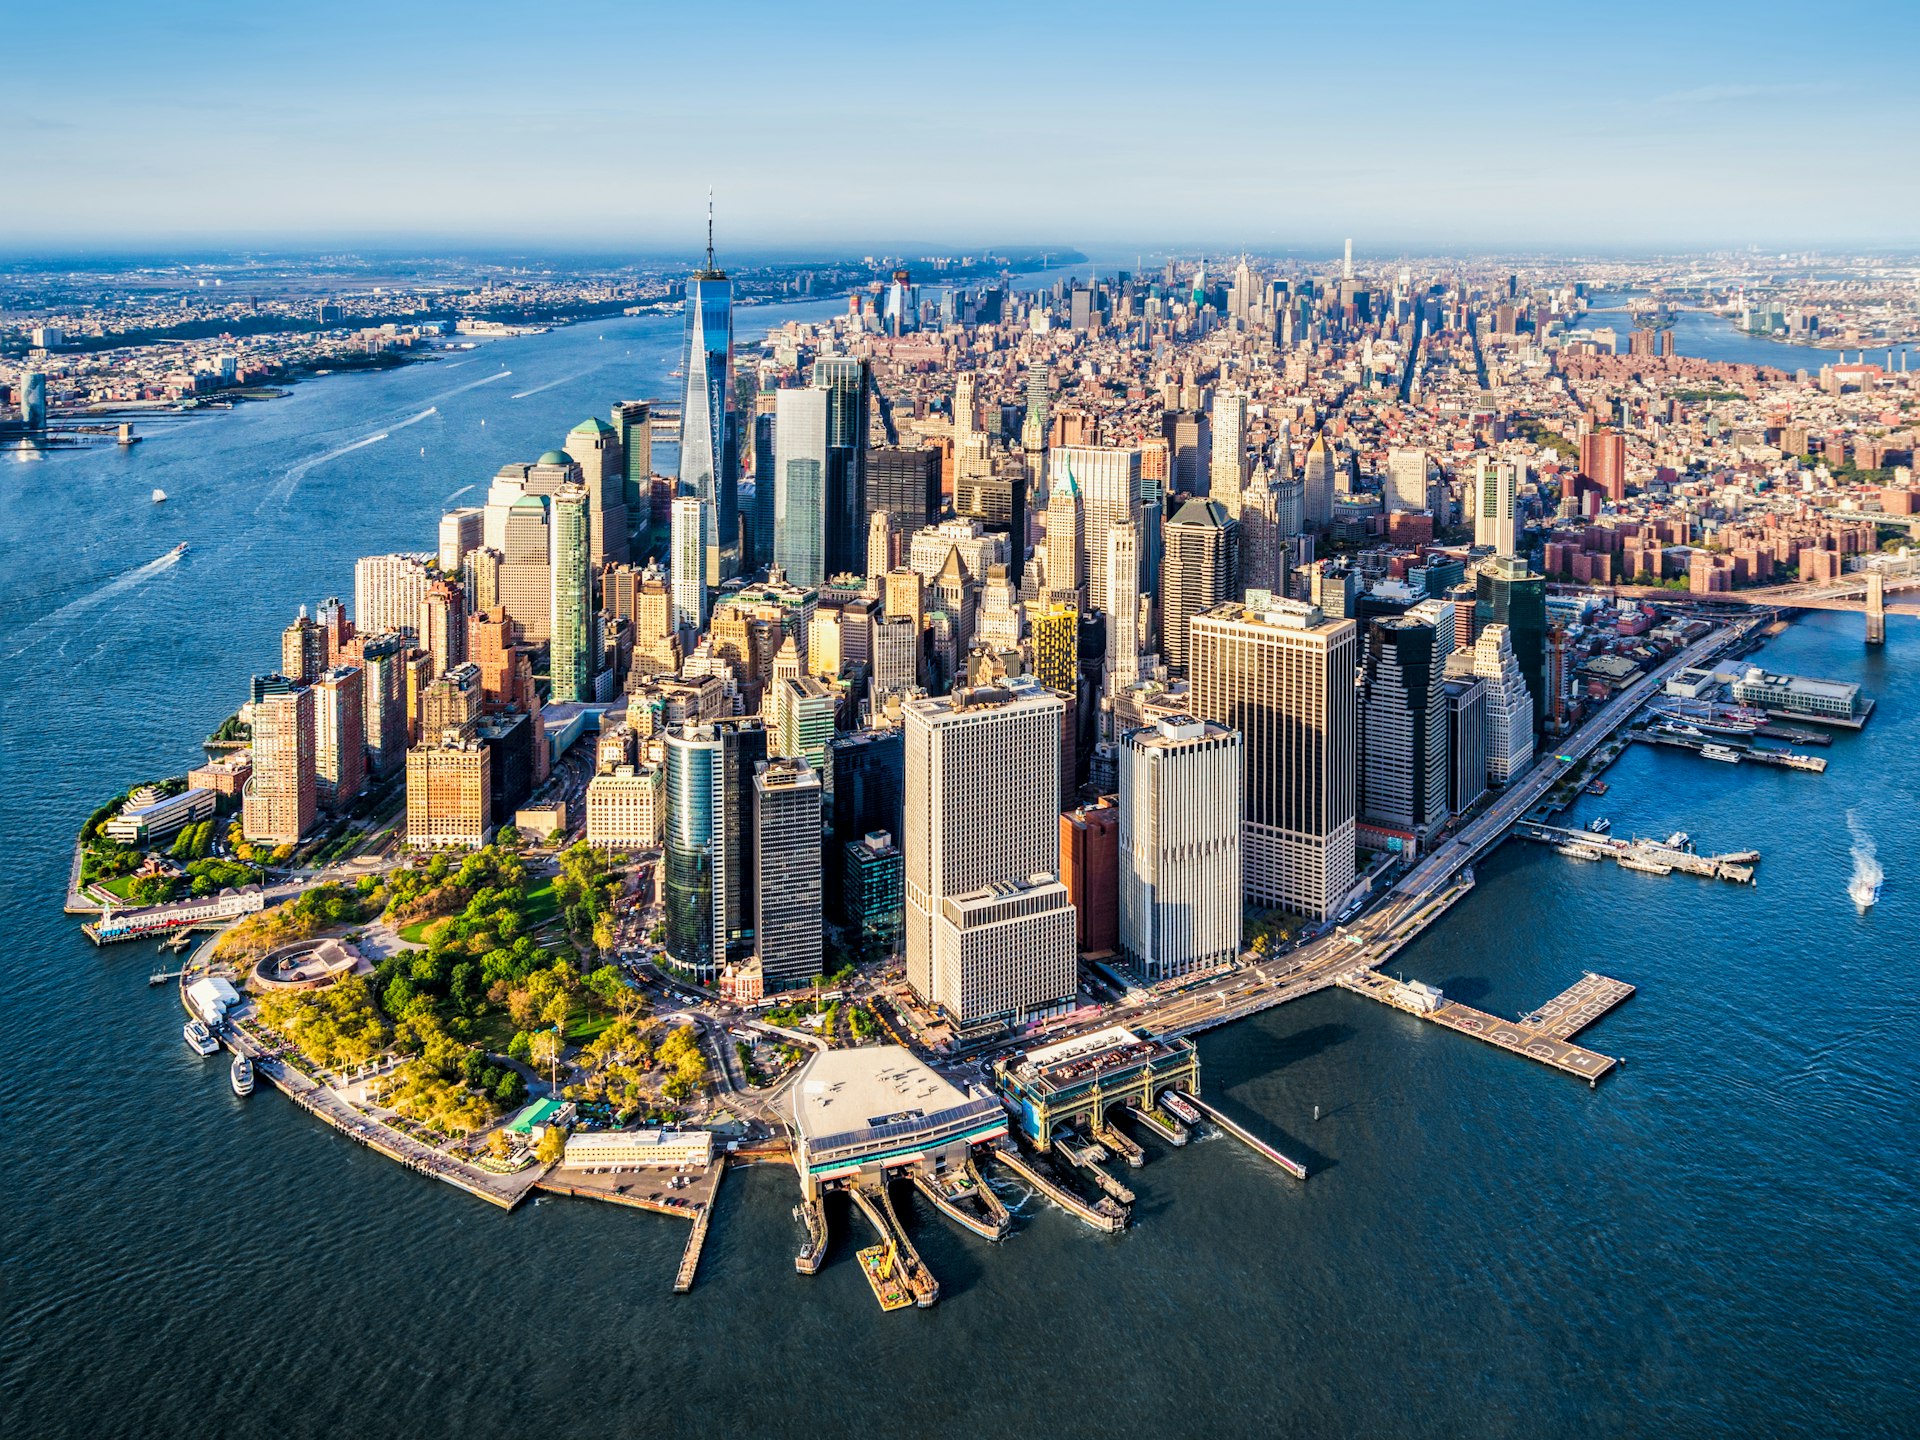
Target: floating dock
<point x="1246" y="1136"/>
<point x="813" y="1213"/>
<point x="1652" y="857"/>
<point x="1107" y="1215"/>
<point x="1545" y="1035"/>
<point x="1160" y="1123"/>
<point x="1088" y="1158"/>
<point x="950" y="1193"/>
<point x="904" y="1260"/>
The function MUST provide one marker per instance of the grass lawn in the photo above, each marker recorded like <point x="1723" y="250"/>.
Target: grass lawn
<point x="542" y="904"/>
<point x="496" y="1031"/>
<point x="122" y="887"/>
<point x="417" y="932"/>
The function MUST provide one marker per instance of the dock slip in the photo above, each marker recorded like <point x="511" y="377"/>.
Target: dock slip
<point x="1545" y="1035"/>
<point x="1652" y="857"/>
<point x="1734" y="753"/>
<point x="1246" y="1136"/>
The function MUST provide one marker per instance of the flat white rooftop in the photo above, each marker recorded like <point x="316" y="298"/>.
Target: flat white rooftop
<point x="843" y="1090"/>
<point x="1099" y="1040"/>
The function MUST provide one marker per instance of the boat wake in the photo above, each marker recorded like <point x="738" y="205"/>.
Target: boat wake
<point x="425" y="414"/>
<point x="1863" y="888"/>
<point x="551" y="385"/>
<point x="471" y="385"/>
<point x="456" y="494"/>
<point x="289" y="482"/>
<point x="79" y="605"/>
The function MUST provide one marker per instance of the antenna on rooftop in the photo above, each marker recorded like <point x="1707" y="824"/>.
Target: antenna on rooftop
<point x="709" y="227"/>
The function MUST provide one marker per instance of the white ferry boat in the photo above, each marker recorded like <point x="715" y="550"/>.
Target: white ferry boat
<point x="1721" y="752"/>
<point x="1601" y="826"/>
<point x="199" y="1039"/>
<point x="240" y="1073"/>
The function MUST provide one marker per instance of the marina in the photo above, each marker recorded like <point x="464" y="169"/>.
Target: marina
<point x="1653" y="857"/>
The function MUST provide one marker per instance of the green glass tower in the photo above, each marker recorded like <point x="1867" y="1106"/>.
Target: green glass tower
<point x="572" y="654"/>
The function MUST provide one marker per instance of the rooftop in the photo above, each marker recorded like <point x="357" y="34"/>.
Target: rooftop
<point x="843" y="1090"/>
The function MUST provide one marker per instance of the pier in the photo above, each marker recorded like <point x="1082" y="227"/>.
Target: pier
<point x="877" y="1206"/>
<point x="1651" y="857"/>
<point x="812" y="1211"/>
<point x="690" y="1258"/>
<point x="1107" y="1215"/>
<point x="1128" y="1148"/>
<point x="1088" y="1158"/>
<point x="1240" y="1132"/>
<point x="1544" y="1035"/>
<point x="1723" y="750"/>
<point x="949" y="1193"/>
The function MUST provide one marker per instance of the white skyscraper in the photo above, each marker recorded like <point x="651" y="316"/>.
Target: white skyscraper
<point x="1495" y="498"/>
<point x="1317" y="485"/>
<point x="388" y="591"/>
<point x="1180" y="882"/>
<point x="1283" y="676"/>
<point x="1406" y="487"/>
<point x="982" y="815"/>
<point x="1509" y="705"/>
<point x="1109" y="484"/>
<point x="1228" y="477"/>
<point x="687" y="541"/>
<point x="1123" y="613"/>
<point x="1066" y="547"/>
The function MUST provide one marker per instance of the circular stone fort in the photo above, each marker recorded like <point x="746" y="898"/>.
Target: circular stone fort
<point x="308" y="965"/>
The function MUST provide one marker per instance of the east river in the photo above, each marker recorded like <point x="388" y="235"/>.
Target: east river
<point x="1719" y="1240"/>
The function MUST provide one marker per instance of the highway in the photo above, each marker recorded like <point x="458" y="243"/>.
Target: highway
<point x="1413" y="901"/>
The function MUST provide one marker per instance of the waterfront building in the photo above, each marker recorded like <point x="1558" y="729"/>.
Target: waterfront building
<point x="595" y="448"/>
<point x="800" y="471"/>
<point x="279" y="802"/>
<point x="787" y="893"/>
<point x="148" y="816"/>
<point x="573" y="656"/>
<point x="1202" y="569"/>
<point x="1004" y="954"/>
<point x="303" y="650"/>
<point x="1090" y="869"/>
<point x="689" y="564"/>
<point x="871" y="877"/>
<point x="981" y="808"/>
<point x="339" y="737"/>
<point x="1510" y="720"/>
<point x="462" y="532"/>
<point x="707" y="439"/>
<point x="387" y="591"/>
<point x="449" y="794"/>
<point x="1180" y="886"/>
<point x="1509" y="593"/>
<point x="1799" y="696"/>
<point x="1108" y="481"/>
<point x="383" y="659"/>
<point x="1283" y="676"/>
<point x="1466" y="742"/>
<point x="1403" y="725"/>
<point x="710" y="842"/>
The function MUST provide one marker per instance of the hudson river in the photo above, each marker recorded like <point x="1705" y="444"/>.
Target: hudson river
<point x="1720" y="1240"/>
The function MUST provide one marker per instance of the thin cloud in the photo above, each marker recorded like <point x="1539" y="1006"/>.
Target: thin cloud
<point x="1728" y="94"/>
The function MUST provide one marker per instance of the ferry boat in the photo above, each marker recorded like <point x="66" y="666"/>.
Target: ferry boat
<point x="240" y="1073"/>
<point x="1177" y="1106"/>
<point x="1725" y="723"/>
<point x="1600" y="826"/>
<point x="199" y="1039"/>
<point x="1597" y="787"/>
<point x="1721" y="752"/>
<point x="1680" y="840"/>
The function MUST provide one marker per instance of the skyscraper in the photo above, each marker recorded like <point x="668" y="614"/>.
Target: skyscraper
<point x="383" y="658"/>
<point x="1510" y="721"/>
<point x="1496" y="498"/>
<point x="595" y="448"/>
<point x="443" y="624"/>
<point x="1406" y="487"/>
<point x="572" y="659"/>
<point x="1123" y="597"/>
<point x="339" y="737"/>
<point x="279" y="801"/>
<point x="710" y="846"/>
<point x="787" y="901"/>
<point x="526" y="570"/>
<point x="800" y="470"/>
<point x="1603" y="460"/>
<point x="1510" y="594"/>
<point x="462" y="531"/>
<point x="1318" y="483"/>
<point x="982" y="807"/>
<point x="1180" y="880"/>
<point x="387" y="590"/>
<point x="848" y="386"/>
<point x="906" y="484"/>
<point x="689" y="573"/>
<point x="1263" y="546"/>
<point x="303" y="650"/>
<point x="1403" y="726"/>
<point x="1109" y="485"/>
<point x="1228" y="474"/>
<point x="1066" y="549"/>
<point x="1202" y="569"/>
<point x="707" y="439"/>
<point x="633" y="428"/>
<point x="1283" y="676"/>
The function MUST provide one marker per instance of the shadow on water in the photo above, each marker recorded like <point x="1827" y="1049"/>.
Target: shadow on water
<point x="1310" y="1042"/>
<point x="1467" y="989"/>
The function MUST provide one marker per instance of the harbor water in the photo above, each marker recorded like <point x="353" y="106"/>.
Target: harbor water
<point x="1718" y="1240"/>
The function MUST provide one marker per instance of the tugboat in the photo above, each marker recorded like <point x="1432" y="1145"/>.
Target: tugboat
<point x="199" y="1039"/>
<point x="240" y="1073"/>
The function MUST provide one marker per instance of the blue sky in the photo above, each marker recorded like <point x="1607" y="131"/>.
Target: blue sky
<point x="601" y="125"/>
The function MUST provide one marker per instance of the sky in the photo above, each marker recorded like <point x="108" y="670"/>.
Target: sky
<point x="1629" y="125"/>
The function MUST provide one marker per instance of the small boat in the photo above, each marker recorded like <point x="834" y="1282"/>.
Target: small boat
<point x="179" y="549"/>
<point x="199" y="1039"/>
<point x="1679" y="840"/>
<point x="159" y="496"/>
<point x="1721" y="752"/>
<point x="1600" y="826"/>
<point x="240" y="1073"/>
<point x="1597" y="787"/>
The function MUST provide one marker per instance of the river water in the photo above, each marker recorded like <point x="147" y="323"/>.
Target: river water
<point x="1719" y="1240"/>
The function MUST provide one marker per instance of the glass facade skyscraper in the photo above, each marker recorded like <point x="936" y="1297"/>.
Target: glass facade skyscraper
<point x="710" y="843"/>
<point x="572" y="650"/>
<point x="708" y="450"/>
<point x="848" y="383"/>
<point x="800" y="458"/>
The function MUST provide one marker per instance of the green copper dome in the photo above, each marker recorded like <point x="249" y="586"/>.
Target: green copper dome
<point x="555" y="457"/>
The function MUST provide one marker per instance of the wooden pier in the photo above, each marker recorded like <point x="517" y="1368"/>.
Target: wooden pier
<point x="1545" y="1035"/>
<point x="690" y="1258"/>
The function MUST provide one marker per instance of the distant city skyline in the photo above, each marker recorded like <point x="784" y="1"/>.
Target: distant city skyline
<point x="1508" y="126"/>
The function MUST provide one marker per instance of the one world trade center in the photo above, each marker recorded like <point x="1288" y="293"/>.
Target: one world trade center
<point x="709" y="462"/>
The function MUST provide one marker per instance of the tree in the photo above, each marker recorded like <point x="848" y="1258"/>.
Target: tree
<point x="543" y="1049"/>
<point x="499" y="1144"/>
<point x="553" y="1144"/>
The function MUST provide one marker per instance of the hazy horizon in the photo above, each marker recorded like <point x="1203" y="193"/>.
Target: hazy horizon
<point x="1506" y="128"/>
